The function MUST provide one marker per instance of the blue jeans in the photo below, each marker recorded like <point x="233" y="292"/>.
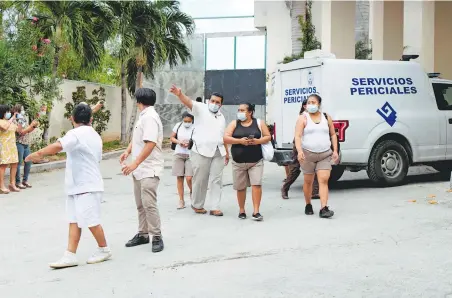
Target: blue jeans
<point x="24" y="151"/>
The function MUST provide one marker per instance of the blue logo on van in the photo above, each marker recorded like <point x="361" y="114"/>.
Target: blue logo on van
<point x="388" y="113"/>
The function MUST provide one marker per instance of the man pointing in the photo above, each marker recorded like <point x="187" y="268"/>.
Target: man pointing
<point x="209" y="154"/>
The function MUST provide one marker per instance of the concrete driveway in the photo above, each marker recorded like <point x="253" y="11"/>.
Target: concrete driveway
<point x="380" y="243"/>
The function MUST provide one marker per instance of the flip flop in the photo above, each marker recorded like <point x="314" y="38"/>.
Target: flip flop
<point x="4" y="192"/>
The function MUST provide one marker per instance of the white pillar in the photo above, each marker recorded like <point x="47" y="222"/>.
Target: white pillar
<point x="338" y="28"/>
<point x="387" y="30"/>
<point x="436" y="37"/>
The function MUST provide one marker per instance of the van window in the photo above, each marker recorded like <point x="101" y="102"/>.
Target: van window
<point x="443" y="95"/>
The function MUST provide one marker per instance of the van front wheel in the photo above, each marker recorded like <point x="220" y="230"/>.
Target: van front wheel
<point x="388" y="163"/>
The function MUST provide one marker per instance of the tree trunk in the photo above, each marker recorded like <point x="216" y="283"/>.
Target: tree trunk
<point x="123" y="104"/>
<point x="133" y="116"/>
<point x="56" y="61"/>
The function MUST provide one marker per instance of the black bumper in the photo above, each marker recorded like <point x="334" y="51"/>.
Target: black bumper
<point x="283" y="157"/>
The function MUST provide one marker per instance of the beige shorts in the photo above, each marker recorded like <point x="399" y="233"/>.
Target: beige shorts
<point x="247" y="174"/>
<point x="182" y="166"/>
<point x="314" y="162"/>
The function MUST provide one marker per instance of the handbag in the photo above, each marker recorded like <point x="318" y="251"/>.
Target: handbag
<point x="267" y="149"/>
<point x="173" y="145"/>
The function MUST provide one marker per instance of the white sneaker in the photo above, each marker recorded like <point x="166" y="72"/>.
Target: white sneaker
<point x="68" y="260"/>
<point x="102" y="254"/>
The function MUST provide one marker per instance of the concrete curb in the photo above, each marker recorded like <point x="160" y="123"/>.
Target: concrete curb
<point x="55" y="165"/>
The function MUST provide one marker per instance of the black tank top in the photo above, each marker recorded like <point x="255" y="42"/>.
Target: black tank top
<point x="246" y="154"/>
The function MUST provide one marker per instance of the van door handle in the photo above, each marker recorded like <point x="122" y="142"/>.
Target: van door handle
<point x="450" y="120"/>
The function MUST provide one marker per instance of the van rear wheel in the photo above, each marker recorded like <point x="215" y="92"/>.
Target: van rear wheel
<point x="388" y="163"/>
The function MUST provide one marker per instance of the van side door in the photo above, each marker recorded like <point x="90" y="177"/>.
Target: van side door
<point x="443" y="95"/>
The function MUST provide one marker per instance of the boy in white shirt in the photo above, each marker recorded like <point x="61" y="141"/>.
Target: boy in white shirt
<point x="84" y="184"/>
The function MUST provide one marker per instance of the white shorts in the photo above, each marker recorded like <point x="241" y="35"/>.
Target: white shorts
<point x="84" y="209"/>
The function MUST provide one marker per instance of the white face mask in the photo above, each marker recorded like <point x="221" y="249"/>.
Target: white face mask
<point x="187" y="124"/>
<point x="312" y="109"/>
<point x="241" y="116"/>
<point x="213" y="107"/>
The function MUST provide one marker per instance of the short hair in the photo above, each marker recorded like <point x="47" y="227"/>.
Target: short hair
<point x="82" y="114"/>
<point x="17" y="108"/>
<point x="198" y="99"/>
<point x="146" y="96"/>
<point x="218" y="95"/>
<point x="187" y="114"/>
<point x="3" y="110"/>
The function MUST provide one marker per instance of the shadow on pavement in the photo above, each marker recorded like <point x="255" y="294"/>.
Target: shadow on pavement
<point x="412" y="179"/>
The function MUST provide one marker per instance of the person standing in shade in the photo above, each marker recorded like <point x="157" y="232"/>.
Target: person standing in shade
<point x="247" y="134"/>
<point x="182" y="167"/>
<point x="209" y="154"/>
<point x="294" y="170"/>
<point x="84" y="185"/>
<point x="314" y="134"/>
<point x="146" y="169"/>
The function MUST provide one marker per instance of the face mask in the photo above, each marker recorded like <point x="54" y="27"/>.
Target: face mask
<point x="22" y="113"/>
<point x="312" y="109"/>
<point x="42" y="113"/>
<point x="213" y="107"/>
<point x="187" y="124"/>
<point x="8" y="116"/>
<point x="241" y="116"/>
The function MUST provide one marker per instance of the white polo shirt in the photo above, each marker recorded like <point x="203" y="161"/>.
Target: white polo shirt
<point x="83" y="147"/>
<point x="148" y="128"/>
<point x="208" y="130"/>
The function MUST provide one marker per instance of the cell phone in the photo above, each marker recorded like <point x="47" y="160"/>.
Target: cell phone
<point x="251" y="137"/>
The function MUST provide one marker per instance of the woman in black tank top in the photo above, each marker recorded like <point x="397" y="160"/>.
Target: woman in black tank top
<point x="247" y="134"/>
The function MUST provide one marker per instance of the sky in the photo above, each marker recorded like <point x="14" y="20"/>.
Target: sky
<point x="250" y="50"/>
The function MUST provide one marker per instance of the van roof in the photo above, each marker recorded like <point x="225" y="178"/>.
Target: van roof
<point x="313" y="62"/>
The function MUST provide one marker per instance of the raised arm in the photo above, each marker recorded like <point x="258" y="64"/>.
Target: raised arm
<point x="51" y="149"/>
<point x="185" y="100"/>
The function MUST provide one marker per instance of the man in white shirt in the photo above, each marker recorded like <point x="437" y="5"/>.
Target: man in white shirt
<point x="146" y="169"/>
<point x="84" y="184"/>
<point x="209" y="154"/>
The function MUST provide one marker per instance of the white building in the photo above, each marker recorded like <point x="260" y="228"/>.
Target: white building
<point x="395" y="27"/>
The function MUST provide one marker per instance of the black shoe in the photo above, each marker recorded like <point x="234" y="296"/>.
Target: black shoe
<point x="138" y="239"/>
<point x="308" y="210"/>
<point x="325" y="212"/>
<point x="242" y="215"/>
<point x="157" y="244"/>
<point x="257" y="217"/>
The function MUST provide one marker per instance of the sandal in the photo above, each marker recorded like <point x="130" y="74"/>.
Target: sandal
<point x="13" y="188"/>
<point x="199" y="211"/>
<point x="216" y="213"/>
<point x="26" y="184"/>
<point x="4" y="191"/>
<point x="181" y="205"/>
<point x="21" y="186"/>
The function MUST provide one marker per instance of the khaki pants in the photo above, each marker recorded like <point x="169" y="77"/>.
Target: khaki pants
<point x="207" y="173"/>
<point x="145" y="191"/>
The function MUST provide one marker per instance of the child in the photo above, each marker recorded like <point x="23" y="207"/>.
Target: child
<point x="84" y="184"/>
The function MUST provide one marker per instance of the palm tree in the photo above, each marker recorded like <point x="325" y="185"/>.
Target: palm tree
<point x="151" y="34"/>
<point x="83" y="25"/>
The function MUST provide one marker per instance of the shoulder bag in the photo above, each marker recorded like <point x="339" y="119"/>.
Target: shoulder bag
<point x="267" y="149"/>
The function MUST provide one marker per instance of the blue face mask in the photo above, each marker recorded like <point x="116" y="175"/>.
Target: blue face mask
<point x="8" y="116"/>
<point x="213" y="107"/>
<point x="241" y="116"/>
<point x="312" y="108"/>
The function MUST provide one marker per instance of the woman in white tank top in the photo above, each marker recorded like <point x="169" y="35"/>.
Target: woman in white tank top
<point x="314" y="135"/>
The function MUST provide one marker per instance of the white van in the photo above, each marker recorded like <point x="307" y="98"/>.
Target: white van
<point x="388" y="115"/>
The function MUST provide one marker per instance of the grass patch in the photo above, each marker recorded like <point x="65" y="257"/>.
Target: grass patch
<point x="112" y="146"/>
